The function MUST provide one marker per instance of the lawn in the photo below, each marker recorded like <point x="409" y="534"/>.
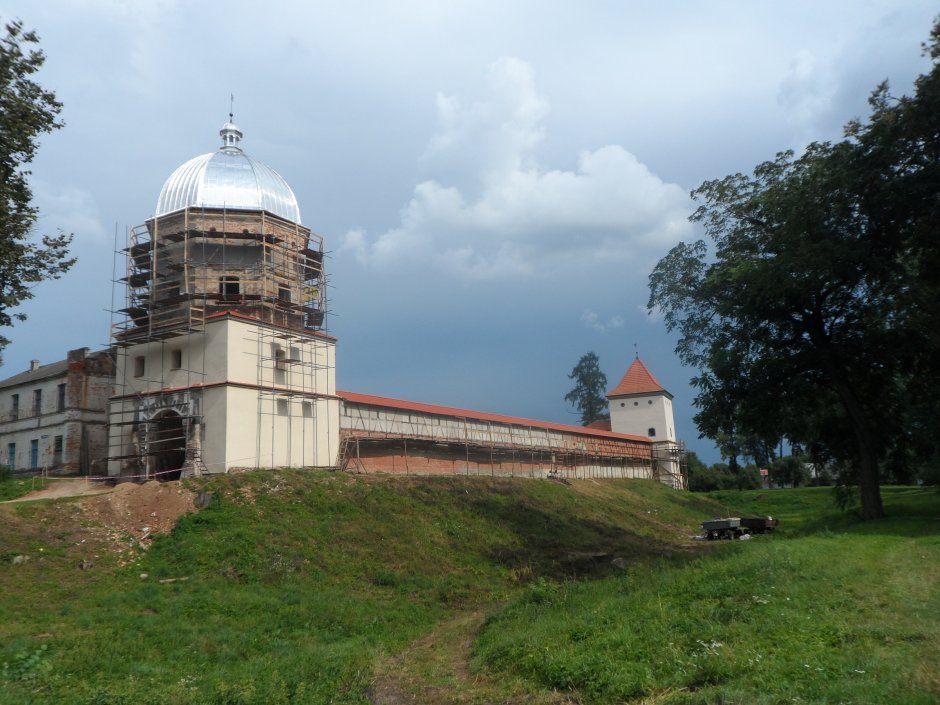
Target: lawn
<point x="302" y="587"/>
<point x="830" y="610"/>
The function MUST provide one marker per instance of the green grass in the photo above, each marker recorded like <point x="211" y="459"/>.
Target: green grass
<point x="825" y="616"/>
<point x="296" y="583"/>
<point x="302" y="587"/>
<point x="11" y="488"/>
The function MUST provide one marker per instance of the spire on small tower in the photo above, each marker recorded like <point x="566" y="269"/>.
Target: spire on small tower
<point x="230" y="133"/>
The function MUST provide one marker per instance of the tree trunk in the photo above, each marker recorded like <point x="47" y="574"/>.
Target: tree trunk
<point x="869" y="479"/>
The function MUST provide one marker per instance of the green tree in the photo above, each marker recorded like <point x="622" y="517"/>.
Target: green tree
<point x="26" y="112"/>
<point x="818" y="293"/>
<point x="589" y="395"/>
<point x="789" y="470"/>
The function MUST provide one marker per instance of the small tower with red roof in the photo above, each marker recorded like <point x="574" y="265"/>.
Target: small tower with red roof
<point x="641" y="406"/>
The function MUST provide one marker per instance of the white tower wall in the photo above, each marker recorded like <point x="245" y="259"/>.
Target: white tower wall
<point x="638" y="414"/>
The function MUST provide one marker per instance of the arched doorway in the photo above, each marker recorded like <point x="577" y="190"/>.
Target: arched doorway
<point x="167" y="445"/>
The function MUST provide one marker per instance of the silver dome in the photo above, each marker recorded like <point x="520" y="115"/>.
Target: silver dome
<point x="228" y="178"/>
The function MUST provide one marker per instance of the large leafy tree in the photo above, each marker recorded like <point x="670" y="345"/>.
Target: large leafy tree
<point x="26" y="112"/>
<point x="812" y="312"/>
<point x="590" y="389"/>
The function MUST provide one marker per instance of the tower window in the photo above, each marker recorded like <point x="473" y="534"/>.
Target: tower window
<point x="139" y="366"/>
<point x="176" y="359"/>
<point x="228" y="286"/>
<point x="283" y="294"/>
<point x="60" y="401"/>
<point x="652" y="432"/>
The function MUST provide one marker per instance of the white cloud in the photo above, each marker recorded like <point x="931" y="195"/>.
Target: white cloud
<point x="509" y="216"/>
<point x="593" y="321"/>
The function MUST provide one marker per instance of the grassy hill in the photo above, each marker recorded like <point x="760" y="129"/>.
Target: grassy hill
<point x="299" y="587"/>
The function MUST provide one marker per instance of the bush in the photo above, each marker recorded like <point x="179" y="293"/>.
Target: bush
<point x="719" y="476"/>
<point x="929" y="473"/>
<point x="706" y="479"/>
<point x="748" y="478"/>
<point x="790" y="470"/>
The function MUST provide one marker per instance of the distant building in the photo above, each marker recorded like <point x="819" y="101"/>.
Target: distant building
<point x="54" y="416"/>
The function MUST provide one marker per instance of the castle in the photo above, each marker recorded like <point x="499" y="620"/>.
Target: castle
<point x="222" y="362"/>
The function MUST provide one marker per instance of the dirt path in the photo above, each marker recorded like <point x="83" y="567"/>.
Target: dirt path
<point x="435" y="670"/>
<point x="64" y="488"/>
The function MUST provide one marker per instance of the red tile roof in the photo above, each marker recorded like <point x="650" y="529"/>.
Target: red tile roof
<point x="356" y="398"/>
<point x="600" y="424"/>
<point x="638" y="380"/>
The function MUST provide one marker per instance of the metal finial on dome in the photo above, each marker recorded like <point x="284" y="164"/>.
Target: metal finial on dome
<point x="230" y="133"/>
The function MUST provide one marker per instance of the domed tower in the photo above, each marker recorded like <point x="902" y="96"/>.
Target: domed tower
<point x="223" y="361"/>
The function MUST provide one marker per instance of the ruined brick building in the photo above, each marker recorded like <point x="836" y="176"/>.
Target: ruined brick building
<point x="54" y="416"/>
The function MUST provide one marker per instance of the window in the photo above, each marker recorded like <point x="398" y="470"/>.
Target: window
<point x="652" y="432"/>
<point x="15" y="406"/>
<point x="34" y="454"/>
<point x="37" y="402"/>
<point x="283" y="294"/>
<point x="60" y="400"/>
<point x="176" y="359"/>
<point x="57" y="450"/>
<point x="228" y="286"/>
<point x="139" y="366"/>
<point x="11" y="455"/>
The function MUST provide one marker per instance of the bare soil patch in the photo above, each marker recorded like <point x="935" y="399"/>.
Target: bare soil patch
<point x="143" y="510"/>
<point x="64" y="488"/>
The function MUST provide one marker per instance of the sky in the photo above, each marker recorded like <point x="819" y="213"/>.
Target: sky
<point x="495" y="180"/>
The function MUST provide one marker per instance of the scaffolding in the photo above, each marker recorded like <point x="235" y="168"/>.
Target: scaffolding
<point x="186" y="266"/>
<point x="184" y="270"/>
<point x="375" y="438"/>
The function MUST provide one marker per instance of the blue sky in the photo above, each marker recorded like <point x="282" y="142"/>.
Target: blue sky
<point x="494" y="180"/>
